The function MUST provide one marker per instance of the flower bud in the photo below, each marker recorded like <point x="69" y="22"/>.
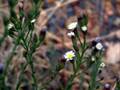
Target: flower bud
<point x="82" y="22"/>
<point x="102" y="65"/>
<point x="94" y="42"/>
<point x="71" y="34"/>
<point x="84" y="28"/>
<point x="72" y="25"/>
<point x="97" y="45"/>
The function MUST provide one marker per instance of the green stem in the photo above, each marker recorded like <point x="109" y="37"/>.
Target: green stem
<point x="8" y="61"/>
<point x="30" y="61"/>
<point x="21" y="76"/>
<point x="94" y="74"/>
<point x="74" y="68"/>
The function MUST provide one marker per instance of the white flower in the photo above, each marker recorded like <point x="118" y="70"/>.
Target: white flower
<point x="84" y="28"/>
<point x="99" y="46"/>
<point x="70" y="34"/>
<point x="102" y="65"/>
<point x="72" y="25"/>
<point x="10" y="25"/>
<point x="69" y="55"/>
<point x="32" y="21"/>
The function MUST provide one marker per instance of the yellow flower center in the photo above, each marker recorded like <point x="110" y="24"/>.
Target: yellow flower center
<point x="70" y="55"/>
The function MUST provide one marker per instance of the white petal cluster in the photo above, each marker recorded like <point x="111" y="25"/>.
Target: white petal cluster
<point x="99" y="46"/>
<point x="84" y="28"/>
<point x="102" y="65"/>
<point x="71" y="34"/>
<point x="72" y="25"/>
<point x="69" y="55"/>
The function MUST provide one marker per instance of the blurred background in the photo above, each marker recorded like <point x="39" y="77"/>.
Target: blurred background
<point x="55" y="15"/>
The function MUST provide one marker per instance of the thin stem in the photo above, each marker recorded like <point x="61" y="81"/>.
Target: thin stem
<point x="21" y="76"/>
<point x="8" y="61"/>
<point x="74" y="67"/>
<point x="30" y="61"/>
<point x="94" y="73"/>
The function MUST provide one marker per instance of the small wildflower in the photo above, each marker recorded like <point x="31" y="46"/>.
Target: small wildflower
<point x="84" y="28"/>
<point x="69" y="55"/>
<point x="102" y="65"/>
<point x="10" y="25"/>
<point x="94" y="42"/>
<point x="99" y="46"/>
<point x="32" y="21"/>
<point x="71" y="34"/>
<point x="83" y="21"/>
<point x="72" y="26"/>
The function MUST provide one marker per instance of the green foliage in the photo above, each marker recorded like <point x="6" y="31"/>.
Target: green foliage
<point x="20" y="29"/>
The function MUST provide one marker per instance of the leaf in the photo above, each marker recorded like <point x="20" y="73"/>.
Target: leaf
<point x="94" y="73"/>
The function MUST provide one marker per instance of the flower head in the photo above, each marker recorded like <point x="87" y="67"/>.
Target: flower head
<point x="99" y="46"/>
<point x="72" y="25"/>
<point x="94" y="42"/>
<point x="71" y="34"/>
<point x="84" y="28"/>
<point x="102" y="65"/>
<point x="69" y="55"/>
